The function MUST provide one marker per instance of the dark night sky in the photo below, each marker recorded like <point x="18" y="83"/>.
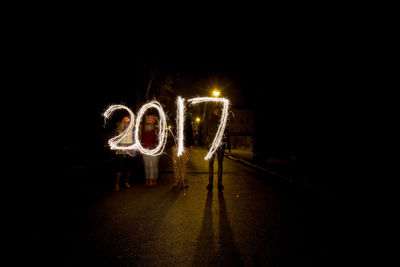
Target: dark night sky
<point x="91" y="83"/>
<point x="80" y="66"/>
<point x="244" y="75"/>
<point x="285" y="79"/>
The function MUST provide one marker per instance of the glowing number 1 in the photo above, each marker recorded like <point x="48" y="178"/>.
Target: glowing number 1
<point x="179" y="123"/>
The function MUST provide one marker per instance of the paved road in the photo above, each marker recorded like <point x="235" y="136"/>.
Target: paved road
<point x="258" y="220"/>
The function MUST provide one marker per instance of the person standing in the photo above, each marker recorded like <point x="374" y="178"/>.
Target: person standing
<point x="219" y="153"/>
<point x="180" y="163"/>
<point x="149" y="140"/>
<point x="124" y="157"/>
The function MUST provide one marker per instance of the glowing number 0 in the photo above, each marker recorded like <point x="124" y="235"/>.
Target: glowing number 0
<point x="162" y="133"/>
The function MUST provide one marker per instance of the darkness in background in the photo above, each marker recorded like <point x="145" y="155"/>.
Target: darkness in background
<point x="292" y="82"/>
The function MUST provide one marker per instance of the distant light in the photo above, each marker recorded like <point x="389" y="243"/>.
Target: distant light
<point x="169" y="126"/>
<point x="216" y="93"/>
<point x="198" y="119"/>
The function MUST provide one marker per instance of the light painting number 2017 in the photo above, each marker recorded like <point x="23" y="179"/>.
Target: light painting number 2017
<point x="163" y="130"/>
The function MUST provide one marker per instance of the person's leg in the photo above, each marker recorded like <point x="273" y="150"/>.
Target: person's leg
<point x="185" y="159"/>
<point x="210" y="172"/>
<point x="147" y="169"/>
<point x="155" y="169"/>
<point x="127" y="166"/>
<point x="127" y="179"/>
<point x="220" y="157"/>
<point x="152" y="160"/>
<point x="175" y="165"/>
<point x="117" y="179"/>
<point x="118" y="174"/>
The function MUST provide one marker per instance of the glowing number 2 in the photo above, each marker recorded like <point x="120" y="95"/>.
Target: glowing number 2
<point x="113" y="142"/>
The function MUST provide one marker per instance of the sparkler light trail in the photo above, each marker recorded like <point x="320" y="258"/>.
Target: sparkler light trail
<point x="162" y="133"/>
<point x="224" y="117"/>
<point x="163" y="129"/>
<point x="180" y="122"/>
<point x="113" y="142"/>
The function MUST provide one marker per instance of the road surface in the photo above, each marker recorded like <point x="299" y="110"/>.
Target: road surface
<point x="258" y="220"/>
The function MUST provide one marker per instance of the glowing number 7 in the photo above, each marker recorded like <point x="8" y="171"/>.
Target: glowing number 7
<point x="221" y="128"/>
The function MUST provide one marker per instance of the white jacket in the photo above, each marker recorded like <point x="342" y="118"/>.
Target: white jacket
<point x="127" y="140"/>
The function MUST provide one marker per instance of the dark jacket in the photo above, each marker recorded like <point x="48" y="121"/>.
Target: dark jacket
<point x="212" y="129"/>
<point x="188" y="137"/>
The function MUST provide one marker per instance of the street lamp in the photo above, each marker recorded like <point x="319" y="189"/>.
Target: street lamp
<point x="216" y="93"/>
